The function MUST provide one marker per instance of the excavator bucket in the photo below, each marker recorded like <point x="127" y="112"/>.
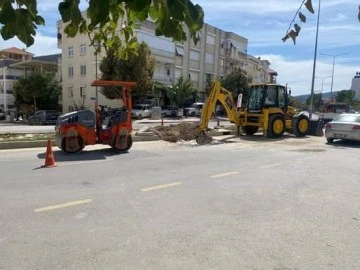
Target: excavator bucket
<point x="202" y="138"/>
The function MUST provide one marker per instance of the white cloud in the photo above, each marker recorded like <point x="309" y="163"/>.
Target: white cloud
<point x="298" y="74"/>
<point x="43" y="45"/>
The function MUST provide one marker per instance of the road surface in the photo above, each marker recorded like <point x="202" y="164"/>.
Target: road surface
<point x="245" y="203"/>
<point x="137" y="124"/>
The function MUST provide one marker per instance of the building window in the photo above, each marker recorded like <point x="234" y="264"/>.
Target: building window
<point x="168" y="72"/>
<point x="71" y="72"/>
<point x="71" y="51"/>
<point x="179" y="51"/>
<point x="70" y="91"/>
<point x="222" y="62"/>
<point x="208" y="77"/>
<point x="71" y="108"/>
<point x="83" y="70"/>
<point x="210" y="39"/>
<point x="209" y="58"/>
<point x="82" y="91"/>
<point x="83" y="49"/>
<point x="194" y="55"/>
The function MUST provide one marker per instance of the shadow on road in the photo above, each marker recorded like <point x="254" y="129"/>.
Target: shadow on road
<point x="99" y="154"/>
<point x="341" y="144"/>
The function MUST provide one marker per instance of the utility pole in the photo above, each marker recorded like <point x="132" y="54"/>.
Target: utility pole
<point x="314" y="65"/>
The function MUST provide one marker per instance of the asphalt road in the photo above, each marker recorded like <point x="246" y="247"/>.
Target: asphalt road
<point x="137" y="124"/>
<point x="244" y="203"/>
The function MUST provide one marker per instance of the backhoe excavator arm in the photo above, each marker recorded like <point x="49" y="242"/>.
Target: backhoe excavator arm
<point x="217" y="94"/>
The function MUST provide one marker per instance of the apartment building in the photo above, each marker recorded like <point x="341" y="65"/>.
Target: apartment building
<point x="17" y="63"/>
<point x="216" y="54"/>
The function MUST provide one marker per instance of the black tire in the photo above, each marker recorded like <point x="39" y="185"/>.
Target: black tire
<point x="139" y="117"/>
<point x="330" y="140"/>
<point x="72" y="151"/>
<point x="300" y="125"/>
<point x="250" y="130"/>
<point x="192" y="114"/>
<point x="123" y="150"/>
<point x="276" y="126"/>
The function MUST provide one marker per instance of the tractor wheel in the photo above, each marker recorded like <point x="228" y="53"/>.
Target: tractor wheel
<point x="250" y="130"/>
<point x="124" y="149"/>
<point x="300" y="125"/>
<point x="74" y="147"/>
<point x="276" y="126"/>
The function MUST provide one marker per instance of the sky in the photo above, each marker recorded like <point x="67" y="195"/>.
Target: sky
<point x="264" y="23"/>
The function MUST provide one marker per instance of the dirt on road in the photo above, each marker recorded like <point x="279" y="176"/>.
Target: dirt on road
<point x="174" y="133"/>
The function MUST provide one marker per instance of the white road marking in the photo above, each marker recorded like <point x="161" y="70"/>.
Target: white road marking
<point x="63" y="205"/>
<point x="270" y="165"/>
<point x="223" y="174"/>
<point x="161" y="186"/>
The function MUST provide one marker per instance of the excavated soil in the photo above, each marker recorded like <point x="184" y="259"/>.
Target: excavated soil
<point x="174" y="133"/>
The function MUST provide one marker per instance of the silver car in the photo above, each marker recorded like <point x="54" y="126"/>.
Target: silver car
<point x="345" y="126"/>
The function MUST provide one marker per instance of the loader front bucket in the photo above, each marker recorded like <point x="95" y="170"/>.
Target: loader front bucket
<point x="316" y="128"/>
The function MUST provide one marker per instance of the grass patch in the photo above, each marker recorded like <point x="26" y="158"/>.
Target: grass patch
<point x="26" y="137"/>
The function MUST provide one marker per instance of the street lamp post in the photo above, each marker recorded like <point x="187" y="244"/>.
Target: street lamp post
<point x="333" y="68"/>
<point x="322" y="81"/>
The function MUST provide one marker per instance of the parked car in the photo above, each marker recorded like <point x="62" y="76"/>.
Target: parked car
<point x="2" y="115"/>
<point x="169" y="111"/>
<point x="194" y="110"/>
<point x="43" y="117"/>
<point x="344" y="126"/>
<point x="140" y="111"/>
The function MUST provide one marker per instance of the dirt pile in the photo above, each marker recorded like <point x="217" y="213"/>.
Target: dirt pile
<point x="174" y="133"/>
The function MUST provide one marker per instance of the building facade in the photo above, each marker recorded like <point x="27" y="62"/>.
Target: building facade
<point x="355" y="85"/>
<point x="17" y="63"/>
<point x="216" y="54"/>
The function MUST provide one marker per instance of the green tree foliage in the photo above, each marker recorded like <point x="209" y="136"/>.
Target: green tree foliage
<point x="39" y="90"/>
<point x="181" y="91"/>
<point x="237" y="82"/>
<point x="346" y="96"/>
<point x="317" y="101"/>
<point x="137" y="67"/>
<point x="20" y="18"/>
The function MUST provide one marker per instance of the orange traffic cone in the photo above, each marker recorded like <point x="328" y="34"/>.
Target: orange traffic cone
<point x="49" y="156"/>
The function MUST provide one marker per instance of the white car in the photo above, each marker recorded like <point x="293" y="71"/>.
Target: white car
<point x="345" y="126"/>
<point x="141" y="111"/>
<point x="194" y="110"/>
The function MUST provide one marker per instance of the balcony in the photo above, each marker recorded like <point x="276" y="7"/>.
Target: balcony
<point x="163" y="78"/>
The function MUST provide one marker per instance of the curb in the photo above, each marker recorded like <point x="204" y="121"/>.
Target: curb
<point x="24" y="144"/>
<point x="141" y="138"/>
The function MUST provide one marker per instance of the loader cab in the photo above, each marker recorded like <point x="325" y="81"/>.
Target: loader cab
<point x="267" y="96"/>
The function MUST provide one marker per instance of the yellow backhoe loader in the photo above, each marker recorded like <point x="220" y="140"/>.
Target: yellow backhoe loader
<point x="267" y="108"/>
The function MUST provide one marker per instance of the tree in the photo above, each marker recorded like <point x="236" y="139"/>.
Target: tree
<point x="20" y="18"/>
<point x="237" y="82"/>
<point x="138" y="67"/>
<point x="181" y="92"/>
<point x="346" y="96"/>
<point x="39" y="90"/>
<point x="317" y="101"/>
